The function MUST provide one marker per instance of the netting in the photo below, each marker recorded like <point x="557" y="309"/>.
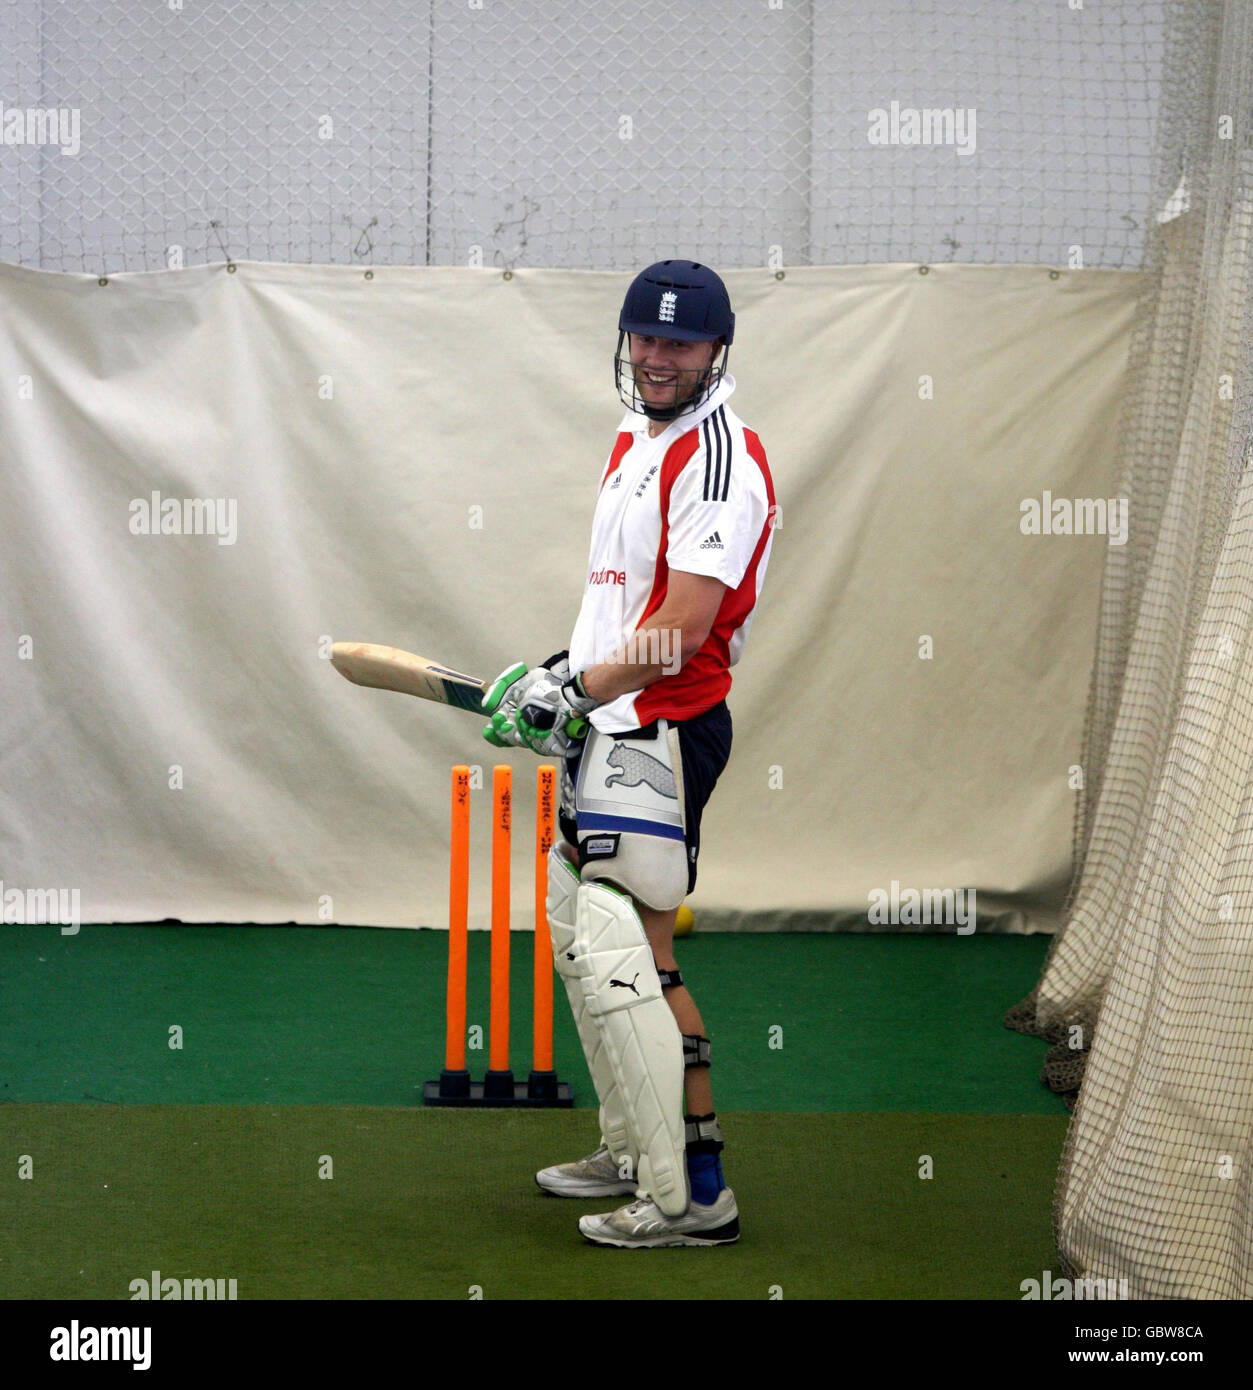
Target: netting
<point x="1154" y="966"/>
<point x="558" y="133"/>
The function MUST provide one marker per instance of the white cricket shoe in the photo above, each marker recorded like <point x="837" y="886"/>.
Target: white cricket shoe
<point x="642" y="1225"/>
<point x="594" y="1176"/>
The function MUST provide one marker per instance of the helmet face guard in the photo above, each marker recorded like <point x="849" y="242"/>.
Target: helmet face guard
<point x="691" y="388"/>
<point x="678" y="300"/>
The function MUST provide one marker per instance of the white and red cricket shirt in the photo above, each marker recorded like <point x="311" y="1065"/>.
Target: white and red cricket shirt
<point x="697" y="498"/>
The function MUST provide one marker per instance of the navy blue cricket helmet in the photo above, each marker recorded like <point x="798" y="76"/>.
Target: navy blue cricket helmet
<point x="680" y="300"/>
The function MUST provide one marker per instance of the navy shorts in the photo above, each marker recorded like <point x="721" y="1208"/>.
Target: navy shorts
<point x="705" y="746"/>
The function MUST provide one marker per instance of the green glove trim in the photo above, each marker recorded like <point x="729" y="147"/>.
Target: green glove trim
<point x="496" y="693"/>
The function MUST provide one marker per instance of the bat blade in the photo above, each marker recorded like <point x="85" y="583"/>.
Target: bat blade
<point x="390" y="668"/>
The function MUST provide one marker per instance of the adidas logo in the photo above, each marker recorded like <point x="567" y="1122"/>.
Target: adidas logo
<point x="713" y="542"/>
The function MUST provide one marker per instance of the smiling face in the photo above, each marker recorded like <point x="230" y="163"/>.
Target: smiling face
<point x="669" y="372"/>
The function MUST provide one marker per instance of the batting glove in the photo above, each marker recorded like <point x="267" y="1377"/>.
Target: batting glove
<point x="510" y="689"/>
<point x="553" y="715"/>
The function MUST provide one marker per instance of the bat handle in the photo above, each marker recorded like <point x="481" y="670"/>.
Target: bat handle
<point x="540" y="718"/>
<point x="537" y="716"/>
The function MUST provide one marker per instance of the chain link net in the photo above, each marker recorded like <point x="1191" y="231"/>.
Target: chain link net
<point x="558" y="133"/>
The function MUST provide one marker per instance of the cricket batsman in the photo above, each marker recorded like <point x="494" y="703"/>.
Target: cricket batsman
<point x="681" y="538"/>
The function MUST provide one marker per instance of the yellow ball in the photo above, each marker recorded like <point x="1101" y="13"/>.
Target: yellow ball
<point x="683" y="922"/>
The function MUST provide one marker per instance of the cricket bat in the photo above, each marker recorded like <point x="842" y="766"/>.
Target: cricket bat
<point x="390" y="668"/>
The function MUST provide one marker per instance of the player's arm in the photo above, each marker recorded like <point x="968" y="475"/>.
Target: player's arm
<point x="665" y="642"/>
<point x="554" y="708"/>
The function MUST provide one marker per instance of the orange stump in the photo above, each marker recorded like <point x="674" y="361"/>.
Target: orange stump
<point x="454" y="1080"/>
<point x="543" y="1080"/>
<point x="499" y="1080"/>
<point x="458" y="919"/>
<point x="498" y="1088"/>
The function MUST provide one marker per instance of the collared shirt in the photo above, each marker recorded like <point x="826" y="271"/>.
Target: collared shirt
<point x="699" y="498"/>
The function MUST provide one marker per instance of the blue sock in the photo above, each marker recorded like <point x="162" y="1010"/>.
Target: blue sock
<point x="705" y="1174"/>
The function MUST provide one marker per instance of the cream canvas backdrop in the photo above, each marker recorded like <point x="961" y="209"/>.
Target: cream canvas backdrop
<point x="414" y="456"/>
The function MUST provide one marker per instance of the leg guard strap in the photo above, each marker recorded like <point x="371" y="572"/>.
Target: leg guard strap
<point x="704" y="1135"/>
